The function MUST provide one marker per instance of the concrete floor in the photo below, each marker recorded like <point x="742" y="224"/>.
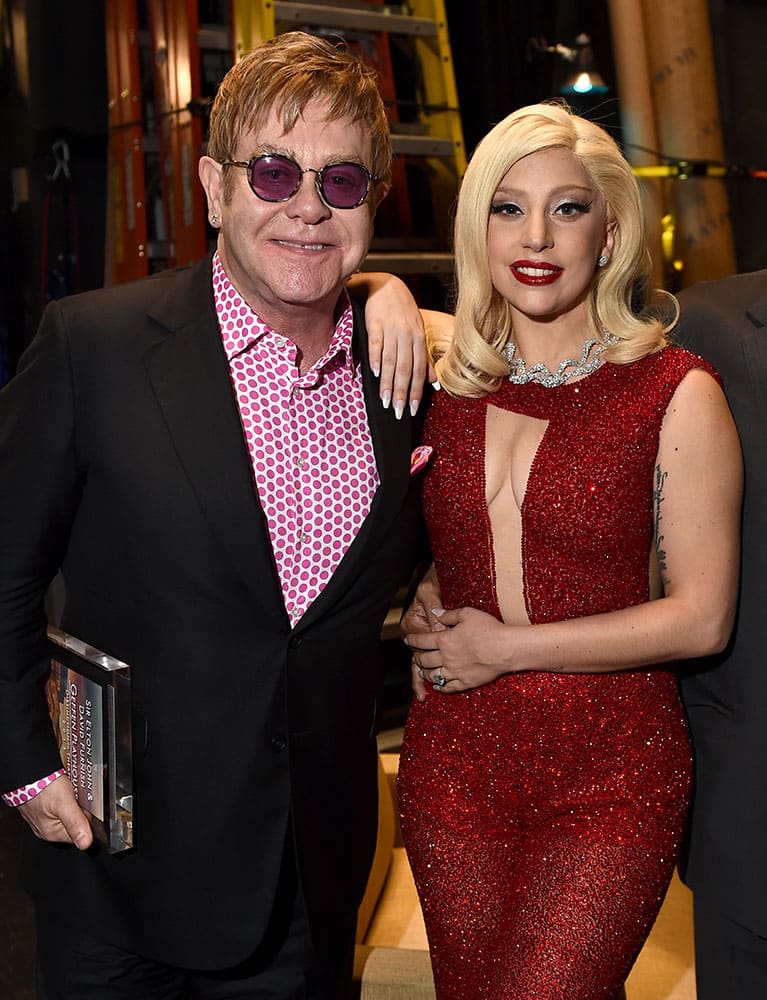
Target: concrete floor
<point x="17" y="938"/>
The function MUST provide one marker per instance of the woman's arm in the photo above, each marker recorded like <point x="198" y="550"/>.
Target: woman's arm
<point x="697" y="498"/>
<point x="398" y="337"/>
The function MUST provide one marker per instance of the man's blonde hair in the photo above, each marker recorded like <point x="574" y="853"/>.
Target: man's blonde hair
<point x="284" y="75"/>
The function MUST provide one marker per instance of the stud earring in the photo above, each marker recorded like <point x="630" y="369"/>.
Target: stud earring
<point x="603" y="260"/>
<point x="214" y="220"/>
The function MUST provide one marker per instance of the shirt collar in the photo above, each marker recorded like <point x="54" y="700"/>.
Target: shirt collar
<point x="241" y="327"/>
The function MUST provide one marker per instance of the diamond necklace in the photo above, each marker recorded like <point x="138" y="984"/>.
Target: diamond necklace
<point x="568" y="369"/>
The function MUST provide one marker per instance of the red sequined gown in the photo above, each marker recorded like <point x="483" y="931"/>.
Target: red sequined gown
<point x="543" y="813"/>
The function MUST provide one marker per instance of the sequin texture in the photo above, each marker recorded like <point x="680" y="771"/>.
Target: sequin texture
<point x="543" y="813"/>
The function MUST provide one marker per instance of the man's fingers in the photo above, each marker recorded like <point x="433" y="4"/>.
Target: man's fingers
<point x="78" y="830"/>
<point x="54" y="815"/>
<point x="419" y="682"/>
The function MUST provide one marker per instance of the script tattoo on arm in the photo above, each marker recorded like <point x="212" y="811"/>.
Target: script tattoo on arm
<point x="657" y="496"/>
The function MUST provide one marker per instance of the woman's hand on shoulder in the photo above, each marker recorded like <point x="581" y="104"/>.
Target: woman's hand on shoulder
<point x="403" y="340"/>
<point x="396" y="339"/>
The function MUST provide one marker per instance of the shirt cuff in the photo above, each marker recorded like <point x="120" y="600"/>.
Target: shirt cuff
<point x="21" y="795"/>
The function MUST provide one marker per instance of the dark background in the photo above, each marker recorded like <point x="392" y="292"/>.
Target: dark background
<point x="67" y="99"/>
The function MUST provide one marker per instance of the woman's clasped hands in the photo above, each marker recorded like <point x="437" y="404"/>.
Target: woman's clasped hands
<point x="455" y="650"/>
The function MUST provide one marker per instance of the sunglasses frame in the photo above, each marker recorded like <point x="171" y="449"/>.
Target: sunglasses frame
<point x="318" y="179"/>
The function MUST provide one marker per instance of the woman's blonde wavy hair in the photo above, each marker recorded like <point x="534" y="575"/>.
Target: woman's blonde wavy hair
<point x="473" y="363"/>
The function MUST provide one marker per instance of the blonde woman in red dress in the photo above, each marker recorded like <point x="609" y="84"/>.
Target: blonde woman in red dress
<point x="582" y="501"/>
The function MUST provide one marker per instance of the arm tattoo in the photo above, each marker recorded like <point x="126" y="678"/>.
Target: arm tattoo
<point x="658" y="498"/>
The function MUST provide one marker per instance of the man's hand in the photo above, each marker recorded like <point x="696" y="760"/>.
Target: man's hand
<point x="54" y="815"/>
<point x="420" y="617"/>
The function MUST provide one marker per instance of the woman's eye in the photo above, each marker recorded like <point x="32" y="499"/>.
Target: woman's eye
<point x="505" y="208"/>
<point x="570" y="208"/>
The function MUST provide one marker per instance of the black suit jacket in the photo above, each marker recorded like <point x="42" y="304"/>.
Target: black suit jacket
<point x="726" y="697"/>
<point x="122" y="461"/>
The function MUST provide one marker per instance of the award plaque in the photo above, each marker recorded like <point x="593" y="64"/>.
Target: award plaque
<point x="89" y="700"/>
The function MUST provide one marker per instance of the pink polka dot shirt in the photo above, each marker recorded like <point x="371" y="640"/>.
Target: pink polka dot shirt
<point x="310" y="450"/>
<point x="22" y="795"/>
<point x="308" y="439"/>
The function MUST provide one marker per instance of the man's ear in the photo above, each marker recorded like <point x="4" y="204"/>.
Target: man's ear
<point x="380" y="192"/>
<point x="211" y="176"/>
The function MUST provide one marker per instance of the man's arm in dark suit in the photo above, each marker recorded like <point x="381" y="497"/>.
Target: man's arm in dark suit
<point x="37" y="503"/>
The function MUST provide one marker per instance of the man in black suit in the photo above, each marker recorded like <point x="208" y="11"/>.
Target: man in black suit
<point x="726" y="697"/>
<point x="204" y="458"/>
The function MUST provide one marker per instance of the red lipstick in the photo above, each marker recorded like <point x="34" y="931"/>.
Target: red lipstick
<point x="535" y="272"/>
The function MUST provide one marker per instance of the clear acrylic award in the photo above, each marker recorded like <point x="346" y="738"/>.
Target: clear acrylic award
<point x="89" y="701"/>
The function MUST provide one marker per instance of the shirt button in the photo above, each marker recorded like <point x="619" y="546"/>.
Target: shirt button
<point x="295" y="642"/>
<point x="279" y="743"/>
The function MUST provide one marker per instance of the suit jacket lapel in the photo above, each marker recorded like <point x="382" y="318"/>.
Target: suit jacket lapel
<point x="190" y="376"/>
<point x="392" y="442"/>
